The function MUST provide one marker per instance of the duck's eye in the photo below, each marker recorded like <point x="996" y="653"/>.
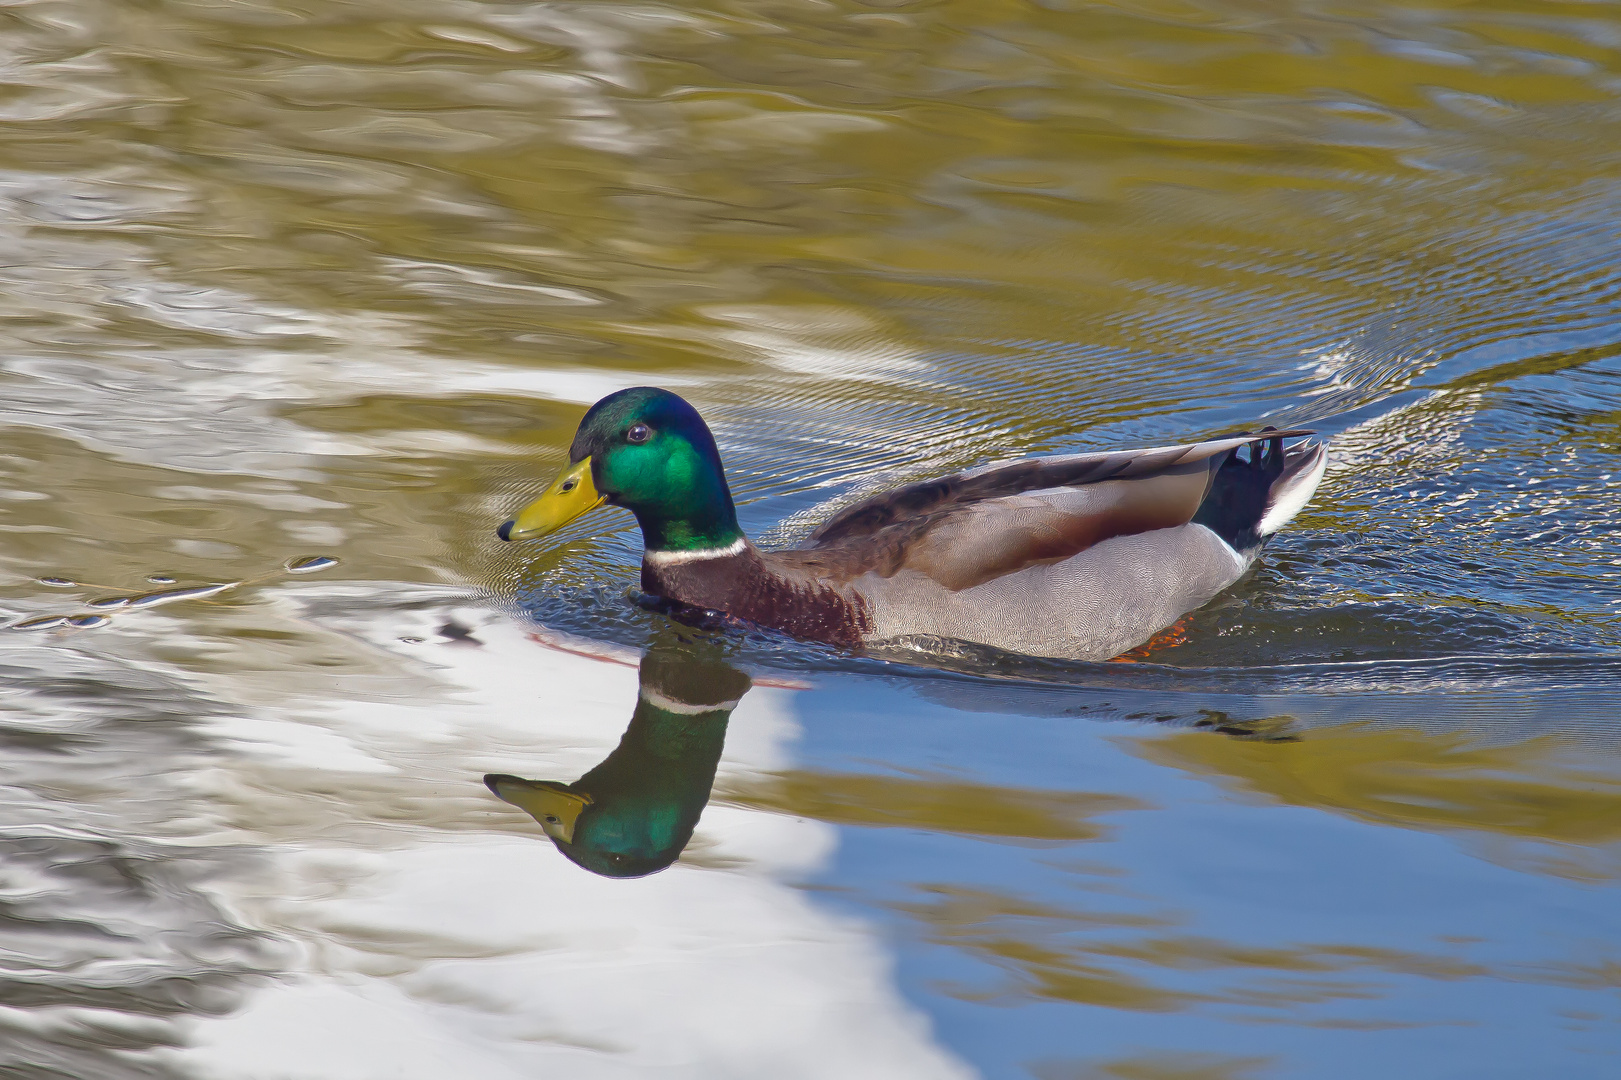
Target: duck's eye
<point x="638" y="433"/>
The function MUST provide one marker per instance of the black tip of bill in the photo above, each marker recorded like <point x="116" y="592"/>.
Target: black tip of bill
<point x="505" y="531"/>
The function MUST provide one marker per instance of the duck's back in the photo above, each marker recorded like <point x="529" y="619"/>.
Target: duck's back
<point x="1082" y="557"/>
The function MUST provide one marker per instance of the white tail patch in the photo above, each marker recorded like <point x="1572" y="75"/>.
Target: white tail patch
<point x="1291" y="494"/>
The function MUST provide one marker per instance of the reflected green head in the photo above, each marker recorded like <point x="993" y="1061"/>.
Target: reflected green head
<point x="633" y="814"/>
<point x="653" y="454"/>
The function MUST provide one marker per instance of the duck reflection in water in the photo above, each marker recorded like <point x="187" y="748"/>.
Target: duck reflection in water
<point x="633" y="814"/>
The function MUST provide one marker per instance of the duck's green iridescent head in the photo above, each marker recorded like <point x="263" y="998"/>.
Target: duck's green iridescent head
<point x="649" y="451"/>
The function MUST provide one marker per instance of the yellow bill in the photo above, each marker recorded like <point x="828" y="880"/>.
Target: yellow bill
<point x="570" y="495"/>
<point x="544" y="800"/>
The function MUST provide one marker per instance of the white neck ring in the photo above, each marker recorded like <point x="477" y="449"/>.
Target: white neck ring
<point x="675" y="558"/>
<point x="684" y="708"/>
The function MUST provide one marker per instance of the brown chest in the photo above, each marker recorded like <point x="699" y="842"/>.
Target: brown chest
<point x="744" y="587"/>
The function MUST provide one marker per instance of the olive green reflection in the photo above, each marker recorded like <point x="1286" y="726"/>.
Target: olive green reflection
<point x="633" y="814"/>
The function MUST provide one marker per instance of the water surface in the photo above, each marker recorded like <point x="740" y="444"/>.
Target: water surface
<point x="289" y="280"/>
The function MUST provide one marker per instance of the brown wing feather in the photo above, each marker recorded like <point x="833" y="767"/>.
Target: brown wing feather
<point x="928" y="497"/>
<point x="970" y="545"/>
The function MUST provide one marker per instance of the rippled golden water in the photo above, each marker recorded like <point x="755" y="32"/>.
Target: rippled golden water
<point x="287" y="279"/>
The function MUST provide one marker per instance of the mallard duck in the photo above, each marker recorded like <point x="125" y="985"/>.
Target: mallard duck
<point x="633" y="814"/>
<point x="1080" y="556"/>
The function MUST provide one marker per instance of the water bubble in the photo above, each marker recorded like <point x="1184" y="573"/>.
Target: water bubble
<point x="161" y="579"/>
<point x="309" y="564"/>
<point x="59" y="583"/>
<point x="86" y="622"/>
<point x="107" y="603"/>
<point x="170" y="596"/>
<point x="42" y="622"/>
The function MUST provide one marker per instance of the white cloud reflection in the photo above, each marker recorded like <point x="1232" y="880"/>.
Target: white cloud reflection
<point x="445" y="937"/>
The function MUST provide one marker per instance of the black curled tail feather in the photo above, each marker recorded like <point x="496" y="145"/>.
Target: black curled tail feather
<point x="1246" y="486"/>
